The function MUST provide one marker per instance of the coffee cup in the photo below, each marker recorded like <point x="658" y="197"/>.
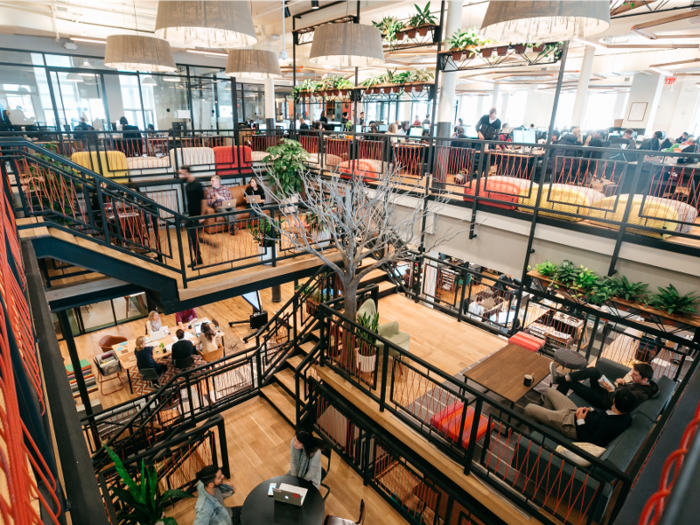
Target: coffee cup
<point x="527" y="380"/>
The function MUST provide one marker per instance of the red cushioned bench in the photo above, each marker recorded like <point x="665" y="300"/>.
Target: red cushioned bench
<point x="527" y="341"/>
<point x="449" y="419"/>
<point x="233" y="160"/>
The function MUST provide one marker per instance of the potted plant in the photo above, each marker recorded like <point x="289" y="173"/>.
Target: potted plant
<point x="674" y="303"/>
<point x="502" y="50"/>
<point x="585" y="281"/>
<point x="460" y="41"/>
<point x="422" y="18"/>
<point x="602" y="291"/>
<point x="521" y="48"/>
<point x="487" y="52"/>
<point x="146" y="502"/>
<point x="629" y="291"/>
<point x="366" y="350"/>
<point x="370" y="83"/>
<point x="286" y="160"/>
<point x="546" y="269"/>
<point x="320" y="235"/>
<point x="390" y="28"/>
<point x="344" y="85"/>
<point x="264" y="233"/>
<point x="537" y="48"/>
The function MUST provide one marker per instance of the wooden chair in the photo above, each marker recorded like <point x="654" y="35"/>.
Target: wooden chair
<point x="213" y="355"/>
<point x="108" y="369"/>
<point x="108" y="341"/>
<point x="334" y="520"/>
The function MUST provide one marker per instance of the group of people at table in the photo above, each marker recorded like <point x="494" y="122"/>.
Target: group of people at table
<point x="183" y="348"/>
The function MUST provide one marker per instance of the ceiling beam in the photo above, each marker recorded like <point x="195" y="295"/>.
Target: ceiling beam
<point x="641" y="29"/>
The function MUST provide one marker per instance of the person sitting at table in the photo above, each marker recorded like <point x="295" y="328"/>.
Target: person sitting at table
<point x="254" y="189"/>
<point x="182" y="348"/>
<point x="305" y="457"/>
<point x="208" y="339"/>
<point x="476" y="308"/>
<point x="144" y="357"/>
<point x="210" y="508"/>
<point x="585" y="424"/>
<point x="186" y="316"/>
<point x="217" y="194"/>
<point x="601" y="394"/>
<point x="153" y="323"/>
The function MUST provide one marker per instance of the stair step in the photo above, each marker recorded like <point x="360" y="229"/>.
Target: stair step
<point x="375" y="275"/>
<point x="288" y="381"/>
<point x="307" y="347"/>
<point x="386" y="285"/>
<point x="294" y="361"/>
<point x="281" y="400"/>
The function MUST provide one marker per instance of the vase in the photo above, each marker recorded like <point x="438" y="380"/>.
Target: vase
<point x="321" y="238"/>
<point x="400" y="35"/>
<point x="395" y="89"/>
<point x="502" y="50"/>
<point x="411" y="33"/>
<point x="265" y="254"/>
<point x="366" y="363"/>
<point x="538" y="49"/>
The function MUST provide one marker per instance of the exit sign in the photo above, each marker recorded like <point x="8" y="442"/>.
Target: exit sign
<point x="669" y="81"/>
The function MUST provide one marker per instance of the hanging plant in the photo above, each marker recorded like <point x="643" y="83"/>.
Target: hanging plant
<point x="390" y="28"/>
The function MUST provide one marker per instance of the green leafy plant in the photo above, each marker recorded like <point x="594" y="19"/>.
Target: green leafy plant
<point x="601" y="291"/>
<point x="546" y="269"/>
<point x="344" y="83"/>
<point x="263" y="231"/>
<point x="309" y="86"/>
<point x="629" y="291"/>
<point x="371" y="323"/>
<point x="388" y="77"/>
<point x="673" y="302"/>
<point x="464" y="39"/>
<point x="567" y="273"/>
<point x="585" y="279"/>
<point x="421" y="75"/>
<point x="422" y="16"/>
<point x="371" y="81"/>
<point x="286" y="160"/>
<point x="147" y="503"/>
<point x="389" y="27"/>
<point x="401" y="78"/>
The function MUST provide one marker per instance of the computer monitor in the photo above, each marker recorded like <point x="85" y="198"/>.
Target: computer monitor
<point x="358" y="128"/>
<point x="529" y="136"/>
<point x="383" y="128"/>
<point x="426" y="126"/>
<point x="262" y="127"/>
<point x="415" y="132"/>
<point x="518" y="135"/>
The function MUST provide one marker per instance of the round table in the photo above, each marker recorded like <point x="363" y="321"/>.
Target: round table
<point x="261" y="509"/>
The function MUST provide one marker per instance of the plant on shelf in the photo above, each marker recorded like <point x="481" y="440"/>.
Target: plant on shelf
<point x="402" y="78"/>
<point x="586" y="279"/>
<point x="602" y="291"/>
<point x="309" y="86"/>
<point x="423" y="17"/>
<point x="286" y="159"/>
<point x="389" y="27"/>
<point x="468" y="40"/>
<point x="147" y="503"/>
<point x="567" y="273"/>
<point x="629" y="291"/>
<point x="673" y="302"/>
<point x="421" y="75"/>
<point x="546" y="269"/>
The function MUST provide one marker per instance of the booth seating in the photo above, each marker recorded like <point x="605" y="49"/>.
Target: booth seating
<point x="506" y="189"/>
<point x="527" y="341"/>
<point x="233" y="160"/>
<point x="566" y="198"/>
<point x="449" y="419"/>
<point x="658" y="213"/>
<point x="111" y="164"/>
<point x="329" y="160"/>
<point x="144" y="163"/>
<point x="541" y="464"/>
<point x="218" y="224"/>
<point x="364" y="168"/>
<point x="192" y="157"/>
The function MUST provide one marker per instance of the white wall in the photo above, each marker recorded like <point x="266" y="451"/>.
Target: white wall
<point x="538" y="110"/>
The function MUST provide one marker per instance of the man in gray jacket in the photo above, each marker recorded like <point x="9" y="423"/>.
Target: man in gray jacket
<point x="210" y="508"/>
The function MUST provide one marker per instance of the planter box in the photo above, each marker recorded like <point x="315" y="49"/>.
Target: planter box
<point x="520" y="48"/>
<point x="366" y="364"/>
<point x="502" y="50"/>
<point x="266" y="254"/>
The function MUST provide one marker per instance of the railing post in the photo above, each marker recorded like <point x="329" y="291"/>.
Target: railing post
<point x="275" y="241"/>
<point x="183" y="267"/>
<point x="323" y="336"/>
<point x="103" y="215"/>
<point x="385" y="373"/>
<point x="368" y="472"/>
<point x="472" y="435"/>
<point x="258" y="365"/>
<point x="223" y="447"/>
<point x="465" y="273"/>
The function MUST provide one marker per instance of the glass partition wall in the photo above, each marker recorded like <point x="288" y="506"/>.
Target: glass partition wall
<point x="55" y="91"/>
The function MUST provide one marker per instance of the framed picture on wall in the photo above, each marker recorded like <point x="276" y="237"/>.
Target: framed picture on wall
<point x="637" y="112"/>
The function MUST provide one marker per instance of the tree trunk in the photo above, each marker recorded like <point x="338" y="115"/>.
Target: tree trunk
<point x="347" y="355"/>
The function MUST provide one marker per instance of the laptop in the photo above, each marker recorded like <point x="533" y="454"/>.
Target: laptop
<point x="290" y="494"/>
<point x="158" y="335"/>
<point x="229" y="204"/>
<point x="254" y="199"/>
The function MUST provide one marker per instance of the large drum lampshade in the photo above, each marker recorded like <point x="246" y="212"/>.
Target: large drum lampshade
<point x="211" y="24"/>
<point x="545" y="21"/>
<point x="347" y="45"/>
<point x="139" y="53"/>
<point x="253" y="63"/>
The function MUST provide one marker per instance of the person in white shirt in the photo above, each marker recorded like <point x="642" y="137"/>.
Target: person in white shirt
<point x="153" y="323"/>
<point x="477" y="307"/>
<point x="208" y="338"/>
<point x="393" y="130"/>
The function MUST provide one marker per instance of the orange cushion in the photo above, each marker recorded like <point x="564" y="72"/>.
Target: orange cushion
<point x="450" y="424"/>
<point x="446" y="412"/>
<point x="501" y="190"/>
<point x="227" y="158"/>
<point x="527" y="341"/>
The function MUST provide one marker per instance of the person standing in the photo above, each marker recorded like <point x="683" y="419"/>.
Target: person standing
<point x="210" y="508"/>
<point x="194" y="194"/>
<point x="489" y="126"/>
<point x="362" y="118"/>
<point x="323" y="118"/>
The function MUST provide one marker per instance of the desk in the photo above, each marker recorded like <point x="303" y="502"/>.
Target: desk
<point x="502" y="372"/>
<point x="261" y="509"/>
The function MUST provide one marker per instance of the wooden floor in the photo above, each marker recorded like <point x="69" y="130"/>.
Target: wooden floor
<point x="258" y="446"/>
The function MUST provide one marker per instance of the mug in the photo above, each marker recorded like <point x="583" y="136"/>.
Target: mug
<point x="527" y="380"/>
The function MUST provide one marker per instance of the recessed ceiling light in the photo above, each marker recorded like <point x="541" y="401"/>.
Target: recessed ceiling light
<point x="90" y="40"/>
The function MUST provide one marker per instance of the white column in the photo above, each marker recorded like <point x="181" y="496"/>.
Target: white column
<point x="269" y="98"/>
<point x="494" y="97"/>
<point x="446" y="106"/>
<point x="645" y="94"/>
<point x="503" y="110"/>
<point x="584" y="79"/>
<point x="619" y="108"/>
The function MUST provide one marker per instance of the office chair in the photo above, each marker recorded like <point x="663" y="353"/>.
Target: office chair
<point x="149" y="374"/>
<point x="335" y="520"/>
<point x="184" y="364"/>
<point x="108" y="341"/>
<point x="324" y="472"/>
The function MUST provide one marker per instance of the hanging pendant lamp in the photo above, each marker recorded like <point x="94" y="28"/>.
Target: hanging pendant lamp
<point x="253" y="63"/>
<point x="347" y="45"/>
<point x="545" y="21"/>
<point x="200" y="23"/>
<point x="139" y="53"/>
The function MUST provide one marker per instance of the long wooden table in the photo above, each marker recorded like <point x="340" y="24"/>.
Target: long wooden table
<point x="503" y="372"/>
<point x="127" y="357"/>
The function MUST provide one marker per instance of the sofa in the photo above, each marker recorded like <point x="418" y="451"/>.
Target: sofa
<point x="389" y="331"/>
<point x="233" y="160"/>
<point x="218" y="224"/>
<point x="535" y="464"/>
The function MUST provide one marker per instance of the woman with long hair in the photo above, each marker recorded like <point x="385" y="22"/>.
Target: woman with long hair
<point x="208" y="338"/>
<point x="144" y="357"/>
<point x="153" y="323"/>
<point x="305" y="457"/>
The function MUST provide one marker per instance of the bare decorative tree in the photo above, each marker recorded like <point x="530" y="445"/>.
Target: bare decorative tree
<point x="360" y="218"/>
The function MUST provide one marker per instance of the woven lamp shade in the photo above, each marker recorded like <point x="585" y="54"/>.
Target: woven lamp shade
<point x="545" y="21"/>
<point x="206" y="23"/>
<point x="253" y="63"/>
<point x="139" y="53"/>
<point x="347" y="45"/>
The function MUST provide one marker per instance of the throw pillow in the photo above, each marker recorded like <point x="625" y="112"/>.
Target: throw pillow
<point x="593" y="450"/>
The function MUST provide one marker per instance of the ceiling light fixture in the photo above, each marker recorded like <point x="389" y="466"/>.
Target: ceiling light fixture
<point x="89" y="40"/>
<point x="172" y="78"/>
<point x="314" y="4"/>
<point x="148" y="80"/>
<point x="253" y="63"/>
<point x="347" y="45"/>
<point x="545" y="21"/>
<point x="200" y="23"/>
<point x="74" y="77"/>
<point x="86" y="65"/>
<point x="139" y="53"/>
<point x="208" y="53"/>
<point x="287" y="14"/>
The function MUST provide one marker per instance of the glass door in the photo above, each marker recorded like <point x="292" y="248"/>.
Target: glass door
<point x="79" y="95"/>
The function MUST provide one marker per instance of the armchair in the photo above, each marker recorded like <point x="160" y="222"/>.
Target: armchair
<point x="391" y="332"/>
<point x="108" y="365"/>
